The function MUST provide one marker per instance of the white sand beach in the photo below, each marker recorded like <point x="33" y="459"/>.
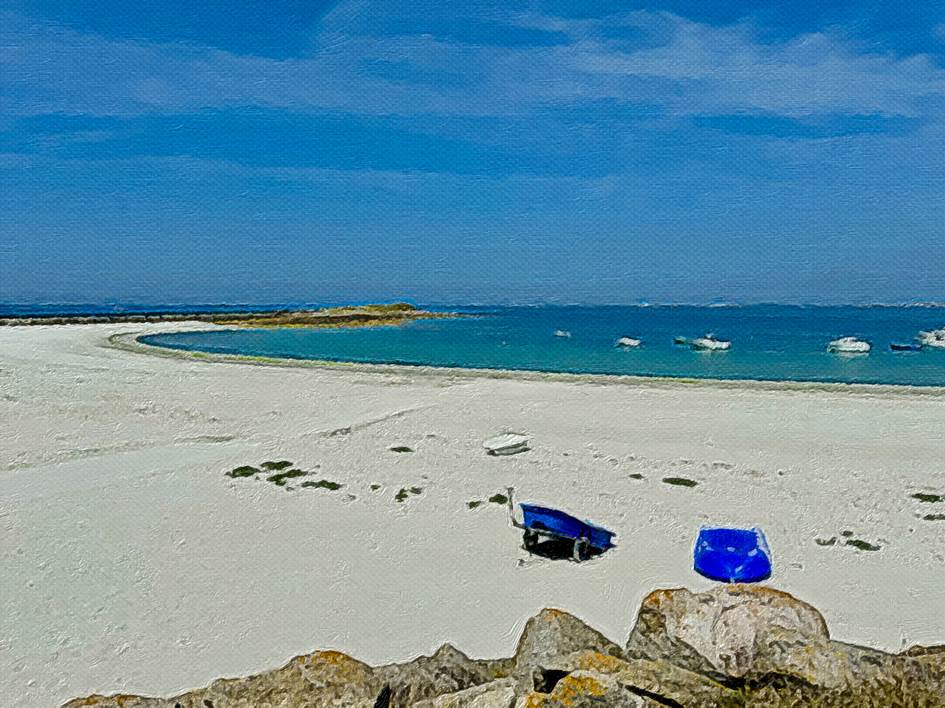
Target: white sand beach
<point x="130" y="562"/>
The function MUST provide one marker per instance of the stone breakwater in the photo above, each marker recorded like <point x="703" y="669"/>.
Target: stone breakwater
<point x="735" y="645"/>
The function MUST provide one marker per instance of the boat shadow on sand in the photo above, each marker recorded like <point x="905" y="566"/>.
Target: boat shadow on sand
<point x="558" y="549"/>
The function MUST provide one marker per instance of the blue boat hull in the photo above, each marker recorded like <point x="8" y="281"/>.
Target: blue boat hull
<point x="558" y="523"/>
<point x="732" y="555"/>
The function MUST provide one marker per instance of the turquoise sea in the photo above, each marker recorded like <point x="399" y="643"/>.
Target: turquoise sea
<point x="769" y="342"/>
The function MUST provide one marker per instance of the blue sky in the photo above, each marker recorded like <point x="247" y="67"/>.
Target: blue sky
<point x="290" y="150"/>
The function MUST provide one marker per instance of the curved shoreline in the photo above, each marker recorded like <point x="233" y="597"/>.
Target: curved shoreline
<point x="120" y="489"/>
<point x="130" y="341"/>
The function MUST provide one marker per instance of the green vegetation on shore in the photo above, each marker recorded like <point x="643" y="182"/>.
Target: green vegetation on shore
<point x="354" y="316"/>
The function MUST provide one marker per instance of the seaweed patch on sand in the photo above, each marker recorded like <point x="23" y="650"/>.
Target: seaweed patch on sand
<point x="283" y="471"/>
<point x="280" y="478"/>
<point x="276" y="465"/>
<point x="928" y="498"/>
<point x="680" y="481"/>
<point x="323" y="484"/>
<point x="403" y="494"/>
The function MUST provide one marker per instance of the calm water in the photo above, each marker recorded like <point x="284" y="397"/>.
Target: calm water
<point x="769" y="342"/>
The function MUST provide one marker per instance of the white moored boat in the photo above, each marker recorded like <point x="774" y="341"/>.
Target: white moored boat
<point x="709" y="343"/>
<point x="506" y="444"/>
<point x="563" y="333"/>
<point x="933" y="338"/>
<point x="849" y="345"/>
<point x="629" y="342"/>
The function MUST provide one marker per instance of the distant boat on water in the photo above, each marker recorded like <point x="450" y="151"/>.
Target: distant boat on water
<point x="849" y="345"/>
<point x="562" y="334"/>
<point x="709" y="343"/>
<point x="905" y="347"/>
<point x="934" y="339"/>
<point x="629" y="342"/>
<point x="770" y="343"/>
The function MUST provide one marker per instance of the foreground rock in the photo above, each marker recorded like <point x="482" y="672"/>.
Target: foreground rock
<point x="769" y="644"/>
<point x="734" y="631"/>
<point x="735" y="645"/>
<point x="554" y="633"/>
<point x="330" y="678"/>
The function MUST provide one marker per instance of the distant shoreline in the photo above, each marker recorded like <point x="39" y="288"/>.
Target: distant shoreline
<point x="130" y="341"/>
<point x="351" y="316"/>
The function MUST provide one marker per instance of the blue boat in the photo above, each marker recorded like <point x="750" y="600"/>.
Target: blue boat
<point x="899" y="347"/>
<point x="732" y="555"/>
<point x="538" y="521"/>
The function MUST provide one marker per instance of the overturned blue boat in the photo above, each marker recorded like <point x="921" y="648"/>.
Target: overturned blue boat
<point x="732" y="555"/>
<point x="586" y="538"/>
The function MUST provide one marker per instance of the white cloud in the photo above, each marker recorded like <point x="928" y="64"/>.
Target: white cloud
<point x="721" y="69"/>
<point x="692" y="68"/>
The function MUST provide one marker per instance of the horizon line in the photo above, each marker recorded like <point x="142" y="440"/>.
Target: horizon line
<point x="353" y="302"/>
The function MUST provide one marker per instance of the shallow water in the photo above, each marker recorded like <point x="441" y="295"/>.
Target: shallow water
<point x="769" y="342"/>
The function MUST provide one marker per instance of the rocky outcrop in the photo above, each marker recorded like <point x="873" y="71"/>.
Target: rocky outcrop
<point x="447" y="671"/>
<point x="586" y="689"/>
<point x="495" y="694"/>
<point x="734" y="631"/>
<point x="767" y="644"/>
<point x="933" y="656"/>
<point x="554" y="633"/>
<point x="330" y="678"/>
<point x="649" y="678"/>
<point x="733" y="646"/>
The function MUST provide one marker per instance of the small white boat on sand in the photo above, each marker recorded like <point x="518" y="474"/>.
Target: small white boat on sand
<point x="934" y="339"/>
<point x="629" y="342"/>
<point x="709" y="343"/>
<point x="563" y="333"/>
<point x="849" y="345"/>
<point x="506" y="444"/>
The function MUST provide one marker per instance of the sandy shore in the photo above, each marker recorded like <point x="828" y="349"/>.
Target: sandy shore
<point x="128" y="561"/>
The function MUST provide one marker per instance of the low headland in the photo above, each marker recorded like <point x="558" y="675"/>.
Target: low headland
<point x="348" y="316"/>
